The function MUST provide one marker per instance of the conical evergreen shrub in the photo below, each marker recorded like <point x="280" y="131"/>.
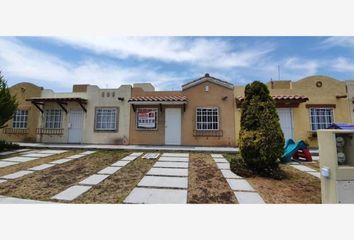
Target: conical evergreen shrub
<point x="261" y="138"/>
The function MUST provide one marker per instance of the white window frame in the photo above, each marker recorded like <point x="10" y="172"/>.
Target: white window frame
<point x="207" y="122"/>
<point x="20" y="119"/>
<point x="146" y="110"/>
<point x="99" y="124"/>
<point x="53" y="118"/>
<point x="319" y="123"/>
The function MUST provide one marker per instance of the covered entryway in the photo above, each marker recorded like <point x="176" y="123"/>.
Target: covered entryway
<point x="286" y="122"/>
<point x="75" y="126"/>
<point x="173" y="126"/>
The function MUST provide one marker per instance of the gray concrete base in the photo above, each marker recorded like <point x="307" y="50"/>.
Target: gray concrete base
<point x="19" y="159"/>
<point x="164" y="182"/>
<point x="157" y="196"/>
<point x="173" y="159"/>
<point x="41" y="167"/>
<point x="224" y="166"/>
<point x="221" y="160"/>
<point x="71" y="193"/>
<point x="60" y="161"/>
<point x="168" y="172"/>
<point x="6" y="164"/>
<point x="316" y="174"/>
<point x="185" y="155"/>
<point x="249" y="198"/>
<point x="16" y="174"/>
<point x="171" y="164"/>
<point x="120" y="163"/>
<point x="37" y="155"/>
<point x="109" y="170"/>
<point x="229" y="174"/>
<point x="93" y="179"/>
<point x="303" y="168"/>
<point x="239" y="185"/>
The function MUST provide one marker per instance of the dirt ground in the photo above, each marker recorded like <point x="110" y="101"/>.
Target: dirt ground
<point x="26" y="165"/>
<point x="43" y="185"/>
<point x="117" y="187"/>
<point x="206" y="184"/>
<point x="298" y="188"/>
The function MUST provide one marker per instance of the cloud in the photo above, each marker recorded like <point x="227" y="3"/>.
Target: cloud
<point x="343" y="65"/>
<point x="21" y="62"/>
<point x="203" y="52"/>
<point x="339" y="42"/>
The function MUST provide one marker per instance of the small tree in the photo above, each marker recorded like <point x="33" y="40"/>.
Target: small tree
<point x="8" y="103"/>
<point x="261" y="138"/>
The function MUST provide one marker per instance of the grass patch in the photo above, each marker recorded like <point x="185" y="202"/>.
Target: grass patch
<point x="117" y="187"/>
<point x="39" y="161"/>
<point x="43" y="185"/>
<point x="206" y="184"/>
<point x="296" y="187"/>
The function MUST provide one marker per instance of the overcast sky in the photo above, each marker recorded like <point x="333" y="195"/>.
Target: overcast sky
<point x="168" y="62"/>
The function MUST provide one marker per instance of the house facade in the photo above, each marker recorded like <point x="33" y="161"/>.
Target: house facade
<point x="88" y="114"/>
<point x="199" y="115"/>
<point x="22" y="127"/>
<point x="205" y="112"/>
<point x="305" y="105"/>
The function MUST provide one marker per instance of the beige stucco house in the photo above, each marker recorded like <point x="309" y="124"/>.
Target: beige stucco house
<point x="305" y="105"/>
<point x="88" y="114"/>
<point x="350" y="87"/>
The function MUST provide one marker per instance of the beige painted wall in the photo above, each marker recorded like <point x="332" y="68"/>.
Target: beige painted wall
<point x="23" y="91"/>
<point x="350" y="87"/>
<point x="317" y="95"/>
<point x="96" y="98"/>
<point x="197" y="97"/>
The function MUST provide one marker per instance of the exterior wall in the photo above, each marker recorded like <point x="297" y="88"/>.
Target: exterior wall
<point x="326" y="94"/>
<point x="96" y="98"/>
<point x="197" y="97"/>
<point x="152" y="137"/>
<point x="350" y="87"/>
<point x="22" y="92"/>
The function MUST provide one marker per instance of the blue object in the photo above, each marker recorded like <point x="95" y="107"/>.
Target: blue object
<point x="344" y="126"/>
<point x="291" y="148"/>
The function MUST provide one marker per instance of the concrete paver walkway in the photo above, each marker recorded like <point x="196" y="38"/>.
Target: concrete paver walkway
<point x="305" y="169"/>
<point x="22" y="173"/>
<point x="166" y="182"/>
<point x="243" y="191"/>
<point x="13" y="152"/>
<point x="75" y="191"/>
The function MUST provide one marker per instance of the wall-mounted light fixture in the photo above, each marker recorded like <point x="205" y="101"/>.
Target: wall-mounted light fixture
<point x="121" y="99"/>
<point x="224" y="98"/>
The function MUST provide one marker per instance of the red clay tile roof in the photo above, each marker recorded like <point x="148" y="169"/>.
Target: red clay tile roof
<point x="158" y="99"/>
<point x="283" y="97"/>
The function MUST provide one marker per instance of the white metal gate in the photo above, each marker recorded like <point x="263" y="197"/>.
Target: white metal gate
<point x="286" y="122"/>
<point x="75" y="126"/>
<point x="173" y="126"/>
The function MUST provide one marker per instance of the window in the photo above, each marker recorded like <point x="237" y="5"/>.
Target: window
<point x="146" y="118"/>
<point x="20" y="119"/>
<point x="321" y="118"/>
<point x="207" y="118"/>
<point x="106" y="119"/>
<point x="52" y="118"/>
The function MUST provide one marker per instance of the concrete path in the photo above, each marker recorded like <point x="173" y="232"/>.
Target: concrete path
<point x="305" y="169"/>
<point x="12" y="152"/>
<point x="243" y="191"/>
<point x="166" y="182"/>
<point x="12" y="200"/>
<point x="28" y="156"/>
<point x="75" y="191"/>
<point x="22" y="173"/>
<point x="131" y="147"/>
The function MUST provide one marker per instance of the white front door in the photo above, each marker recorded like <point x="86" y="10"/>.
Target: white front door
<point x="75" y="126"/>
<point x="286" y="122"/>
<point x="173" y="126"/>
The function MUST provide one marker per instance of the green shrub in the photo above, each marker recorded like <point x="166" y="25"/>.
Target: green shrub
<point x="5" y="146"/>
<point x="261" y="138"/>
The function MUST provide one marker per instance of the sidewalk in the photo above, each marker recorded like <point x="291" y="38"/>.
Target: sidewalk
<point x="131" y="147"/>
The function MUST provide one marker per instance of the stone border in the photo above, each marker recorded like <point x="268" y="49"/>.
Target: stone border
<point x="86" y="184"/>
<point x="243" y="191"/>
<point x="305" y="169"/>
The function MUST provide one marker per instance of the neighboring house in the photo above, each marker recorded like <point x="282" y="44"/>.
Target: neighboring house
<point x="201" y="114"/>
<point x="22" y="127"/>
<point x="305" y="105"/>
<point x="88" y="114"/>
<point x="350" y="87"/>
